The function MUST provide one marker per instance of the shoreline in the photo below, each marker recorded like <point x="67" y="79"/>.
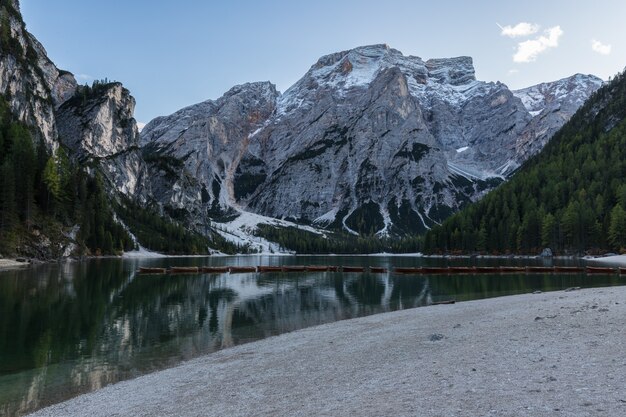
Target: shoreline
<point x="523" y="355"/>
<point x="614" y="260"/>
<point x="12" y="264"/>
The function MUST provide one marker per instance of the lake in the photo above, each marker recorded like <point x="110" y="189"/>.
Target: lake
<point x="71" y="328"/>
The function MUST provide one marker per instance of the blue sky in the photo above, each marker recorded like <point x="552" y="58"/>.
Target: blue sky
<point x="173" y="54"/>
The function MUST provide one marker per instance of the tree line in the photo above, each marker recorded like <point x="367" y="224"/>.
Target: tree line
<point x="43" y="190"/>
<point x="303" y="241"/>
<point x="157" y="232"/>
<point x="571" y="197"/>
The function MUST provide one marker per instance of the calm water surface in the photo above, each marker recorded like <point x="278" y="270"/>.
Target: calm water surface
<point x="73" y="328"/>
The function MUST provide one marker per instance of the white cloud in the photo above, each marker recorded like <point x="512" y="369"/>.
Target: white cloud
<point x="599" y="47"/>
<point x="140" y="126"/>
<point x="521" y="29"/>
<point x="513" y="71"/>
<point x="528" y="51"/>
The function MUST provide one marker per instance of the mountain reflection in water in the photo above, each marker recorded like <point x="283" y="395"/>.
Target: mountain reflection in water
<point x="73" y="328"/>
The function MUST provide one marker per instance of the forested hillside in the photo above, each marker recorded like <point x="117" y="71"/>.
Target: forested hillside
<point x="570" y="198"/>
<point x="44" y="193"/>
<point x="51" y="206"/>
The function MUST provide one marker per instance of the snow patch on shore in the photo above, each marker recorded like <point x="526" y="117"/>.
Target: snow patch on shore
<point x="143" y="253"/>
<point x="611" y="260"/>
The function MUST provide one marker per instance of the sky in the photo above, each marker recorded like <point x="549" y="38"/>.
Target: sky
<point x="171" y="54"/>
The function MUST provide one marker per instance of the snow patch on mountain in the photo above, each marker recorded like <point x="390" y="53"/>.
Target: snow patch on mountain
<point x="243" y="228"/>
<point x="575" y="89"/>
<point x="367" y="139"/>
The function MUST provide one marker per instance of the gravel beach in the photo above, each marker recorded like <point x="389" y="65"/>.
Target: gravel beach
<point x="549" y="354"/>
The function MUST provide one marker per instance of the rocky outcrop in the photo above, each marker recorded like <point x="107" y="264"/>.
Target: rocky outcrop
<point x="33" y="85"/>
<point x="98" y="122"/>
<point x="551" y="105"/>
<point x="98" y="126"/>
<point x="196" y="152"/>
<point x="369" y="141"/>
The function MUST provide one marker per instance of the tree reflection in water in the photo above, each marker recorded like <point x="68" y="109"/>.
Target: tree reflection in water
<point x="72" y="328"/>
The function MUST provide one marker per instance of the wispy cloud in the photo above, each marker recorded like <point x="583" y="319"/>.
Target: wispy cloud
<point x="84" y="77"/>
<point x="601" y="48"/>
<point x="528" y="51"/>
<point x="513" y="71"/>
<point x="521" y="29"/>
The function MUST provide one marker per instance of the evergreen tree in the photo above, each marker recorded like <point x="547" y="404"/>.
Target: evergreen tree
<point x="52" y="180"/>
<point x="548" y="231"/>
<point x="565" y="197"/>
<point x="617" y="227"/>
<point x="7" y="196"/>
<point x="23" y="155"/>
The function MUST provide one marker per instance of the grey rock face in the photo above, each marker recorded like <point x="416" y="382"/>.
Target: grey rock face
<point x="197" y="151"/>
<point x="99" y="127"/>
<point x="551" y="105"/>
<point x="369" y="140"/>
<point x="35" y="86"/>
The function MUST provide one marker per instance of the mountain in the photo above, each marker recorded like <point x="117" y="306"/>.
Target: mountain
<point x="34" y="86"/>
<point x="368" y="141"/>
<point x="571" y="197"/>
<point x="551" y="105"/>
<point x="72" y="175"/>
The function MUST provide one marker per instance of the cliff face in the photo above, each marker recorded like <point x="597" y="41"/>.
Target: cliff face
<point x="97" y="125"/>
<point x="196" y="152"/>
<point x="369" y="140"/>
<point x="32" y="84"/>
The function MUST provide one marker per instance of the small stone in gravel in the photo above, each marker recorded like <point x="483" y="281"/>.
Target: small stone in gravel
<point x="538" y="318"/>
<point x="537" y="292"/>
<point x="572" y="289"/>
<point x="435" y="337"/>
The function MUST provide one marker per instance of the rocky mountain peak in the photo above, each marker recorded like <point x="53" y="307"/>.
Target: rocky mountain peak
<point x="573" y="90"/>
<point x="263" y="89"/>
<point x="368" y="140"/>
<point x="551" y="104"/>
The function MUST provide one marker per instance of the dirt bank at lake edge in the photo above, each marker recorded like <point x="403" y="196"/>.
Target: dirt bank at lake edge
<point x="11" y="263"/>
<point x="558" y="353"/>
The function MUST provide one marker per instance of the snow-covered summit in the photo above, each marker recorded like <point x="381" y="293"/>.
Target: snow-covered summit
<point x="574" y="90"/>
<point x="368" y="140"/>
<point x="341" y="72"/>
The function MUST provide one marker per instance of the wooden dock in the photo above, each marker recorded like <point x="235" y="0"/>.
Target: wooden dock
<point x="453" y="270"/>
<point x="242" y="269"/>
